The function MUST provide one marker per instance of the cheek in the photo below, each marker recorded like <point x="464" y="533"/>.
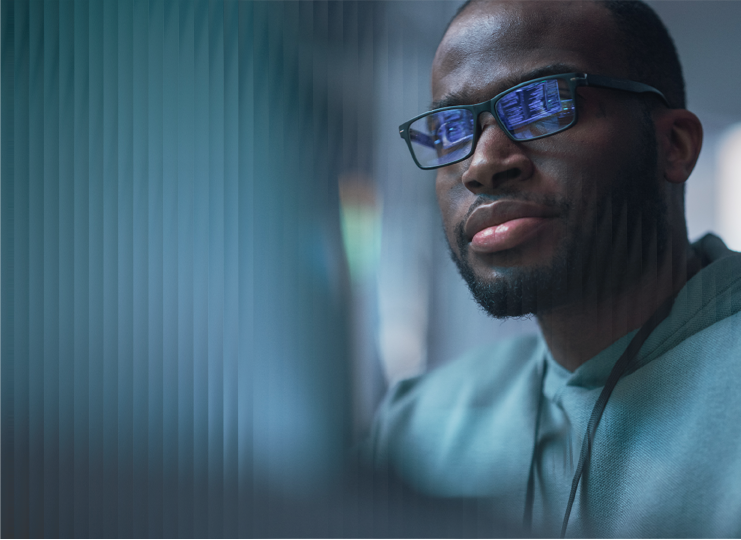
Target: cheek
<point x="586" y="163"/>
<point x="608" y="138"/>
<point x="453" y="199"/>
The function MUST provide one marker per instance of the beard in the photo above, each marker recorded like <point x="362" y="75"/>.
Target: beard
<point x="627" y="234"/>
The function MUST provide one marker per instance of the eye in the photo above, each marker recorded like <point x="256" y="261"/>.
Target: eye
<point x="453" y="133"/>
<point x="442" y="137"/>
<point x="537" y="109"/>
<point x="455" y="128"/>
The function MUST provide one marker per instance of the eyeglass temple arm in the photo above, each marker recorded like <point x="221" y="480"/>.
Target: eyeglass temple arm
<point x="621" y="84"/>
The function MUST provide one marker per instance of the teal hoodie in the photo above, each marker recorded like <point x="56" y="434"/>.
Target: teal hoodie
<point x="666" y="458"/>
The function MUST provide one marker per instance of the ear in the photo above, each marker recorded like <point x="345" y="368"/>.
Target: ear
<point x="679" y="134"/>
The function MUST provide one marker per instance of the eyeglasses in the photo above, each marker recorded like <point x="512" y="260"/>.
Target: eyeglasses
<point x="531" y="110"/>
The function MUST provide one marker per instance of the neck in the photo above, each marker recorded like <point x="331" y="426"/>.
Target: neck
<point x="579" y="330"/>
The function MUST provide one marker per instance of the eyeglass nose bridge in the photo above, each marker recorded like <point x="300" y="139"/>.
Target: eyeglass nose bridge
<point x="502" y="146"/>
<point x="487" y="107"/>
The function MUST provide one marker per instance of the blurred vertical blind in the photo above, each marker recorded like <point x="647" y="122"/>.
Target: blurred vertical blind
<point x="173" y="284"/>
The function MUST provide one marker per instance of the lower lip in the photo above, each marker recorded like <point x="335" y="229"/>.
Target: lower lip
<point x="507" y="235"/>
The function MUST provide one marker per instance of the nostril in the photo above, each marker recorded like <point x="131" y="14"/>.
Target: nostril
<point x="509" y="174"/>
<point x="496" y="180"/>
<point x="473" y="184"/>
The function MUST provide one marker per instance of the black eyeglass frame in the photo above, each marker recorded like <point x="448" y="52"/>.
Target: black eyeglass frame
<point x="574" y="81"/>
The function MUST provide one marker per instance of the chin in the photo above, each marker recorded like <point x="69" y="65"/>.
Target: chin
<point x="515" y="290"/>
<point x="524" y="258"/>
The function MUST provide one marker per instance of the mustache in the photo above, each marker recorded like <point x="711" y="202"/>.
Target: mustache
<point x="564" y="208"/>
<point x="553" y="202"/>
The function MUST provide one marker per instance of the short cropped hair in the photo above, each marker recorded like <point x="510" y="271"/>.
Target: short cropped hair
<point x="648" y="47"/>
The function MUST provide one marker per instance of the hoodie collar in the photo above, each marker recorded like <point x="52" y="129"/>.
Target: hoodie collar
<point x="712" y="294"/>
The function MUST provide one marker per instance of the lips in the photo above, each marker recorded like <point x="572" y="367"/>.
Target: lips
<point x="504" y="224"/>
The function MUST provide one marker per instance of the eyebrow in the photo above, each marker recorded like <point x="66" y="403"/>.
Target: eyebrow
<point x="467" y="98"/>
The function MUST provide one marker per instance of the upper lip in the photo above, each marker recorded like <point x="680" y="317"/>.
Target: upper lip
<point x="496" y="213"/>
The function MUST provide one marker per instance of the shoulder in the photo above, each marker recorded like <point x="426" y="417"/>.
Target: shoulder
<point x="431" y="423"/>
<point x="471" y="378"/>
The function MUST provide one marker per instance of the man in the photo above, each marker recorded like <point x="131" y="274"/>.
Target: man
<point x="561" y="154"/>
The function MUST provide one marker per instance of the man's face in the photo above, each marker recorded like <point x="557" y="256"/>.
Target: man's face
<point x="584" y="208"/>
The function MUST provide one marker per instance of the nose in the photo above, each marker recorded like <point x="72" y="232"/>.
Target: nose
<point x="496" y="160"/>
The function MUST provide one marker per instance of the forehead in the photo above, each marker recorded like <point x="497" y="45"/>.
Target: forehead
<point x="492" y="44"/>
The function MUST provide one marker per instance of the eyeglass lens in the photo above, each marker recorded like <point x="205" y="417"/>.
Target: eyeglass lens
<point x="537" y="109"/>
<point x="527" y="112"/>
<point x="442" y="137"/>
